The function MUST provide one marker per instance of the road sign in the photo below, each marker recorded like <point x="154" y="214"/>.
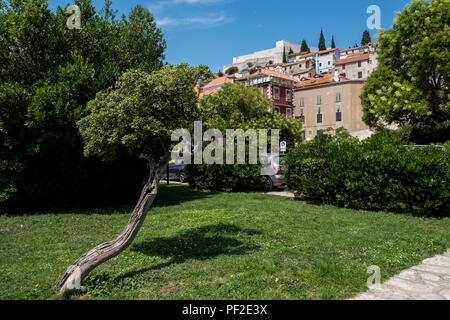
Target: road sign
<point x="283" y="146"/>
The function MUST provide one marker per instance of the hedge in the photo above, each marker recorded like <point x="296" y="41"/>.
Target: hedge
<point x="380" y="173"/>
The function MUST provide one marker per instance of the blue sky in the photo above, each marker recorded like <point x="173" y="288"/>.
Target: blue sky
<point x="212" y="32"/>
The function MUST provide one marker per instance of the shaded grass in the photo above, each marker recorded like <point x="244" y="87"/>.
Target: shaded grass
<point x="196" y="245"/>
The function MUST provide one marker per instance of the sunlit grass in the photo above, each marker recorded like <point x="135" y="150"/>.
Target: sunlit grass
<point x="197" y="245"/>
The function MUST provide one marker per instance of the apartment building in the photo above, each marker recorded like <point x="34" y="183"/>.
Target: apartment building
<point x="329" y="101"/>
<point x="326" y="60"/>
<point x="276" y="86"/>
<point x="358" y="63"/>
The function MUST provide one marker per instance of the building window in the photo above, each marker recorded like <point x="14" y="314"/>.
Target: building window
<point x="319" y="100"/>
<point x="338" y="116"/>
<point x="304" y="135"/>
<point x="276" y="93"/>
<point x="343" y="67"/>
<point x="288" y="113"/>
<point x="319" y="133"/>
<point x="360" y="75"/>
<point x="307" y="64"/>
<point x="320" y="64"/>
<point x="329" y="62"/>
<point x="359" y="64"/>
<point x="319" y="118"/>
<point x="302" y="102"/>
<point x="288" y="95"/>
<point x="338" y="97"/>
<point x="277" y="109"/>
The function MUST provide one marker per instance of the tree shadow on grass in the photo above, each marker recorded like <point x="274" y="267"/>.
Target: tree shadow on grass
<point x="172" y="195"/>
<point x="194" y="244"/>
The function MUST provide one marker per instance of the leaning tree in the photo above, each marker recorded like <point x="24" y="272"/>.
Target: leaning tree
<point x="139" y="114"/>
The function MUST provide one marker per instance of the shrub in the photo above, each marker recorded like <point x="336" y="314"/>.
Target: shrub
<point x="227" y="178"/>
<point x="379" y="173"/>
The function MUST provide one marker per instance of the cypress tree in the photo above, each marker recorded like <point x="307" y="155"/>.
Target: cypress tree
<point x="322" y="45"/>
<point x="333" y="45"/>
<point x="305" y="47"/>
<point x="284" y="55"/>
<point x="366" y="38"/>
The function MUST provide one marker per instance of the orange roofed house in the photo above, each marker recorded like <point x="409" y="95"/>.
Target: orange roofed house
<point x="278" y="87"/>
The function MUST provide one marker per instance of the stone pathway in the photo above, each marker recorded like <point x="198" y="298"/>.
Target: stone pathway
<point x="281" y="194"/>
<point x="428" y="281"/>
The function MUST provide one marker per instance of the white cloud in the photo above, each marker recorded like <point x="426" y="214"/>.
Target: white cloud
<point x="168" y="3"/>
<point x="207" y="20"/>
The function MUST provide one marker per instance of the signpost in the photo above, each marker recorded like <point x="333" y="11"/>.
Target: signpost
<point x="283" y="146"/>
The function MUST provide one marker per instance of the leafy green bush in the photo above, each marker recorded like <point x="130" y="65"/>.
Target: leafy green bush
<point x="48" y="74"/>
<point x="379" y="173"/>
<point x="225" y="177"/>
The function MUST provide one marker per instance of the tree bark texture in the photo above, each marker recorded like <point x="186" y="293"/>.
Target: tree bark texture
<point x="72" y="278"/>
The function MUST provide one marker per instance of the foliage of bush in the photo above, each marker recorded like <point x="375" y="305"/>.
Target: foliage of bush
<point x="237" y="106"/>
<point x="48" y="74"/>
<point x="379" y="173"/>
<point x="226" y="178"/>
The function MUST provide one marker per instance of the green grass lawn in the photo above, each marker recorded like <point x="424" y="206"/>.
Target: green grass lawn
<point x="197" y="245"/>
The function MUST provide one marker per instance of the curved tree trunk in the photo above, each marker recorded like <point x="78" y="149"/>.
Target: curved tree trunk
<point x="71" y="280"/>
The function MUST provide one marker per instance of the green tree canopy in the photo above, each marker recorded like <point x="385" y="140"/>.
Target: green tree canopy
<point x="237" y="106"/>
<point x="231" y="70"/>
<point x="140" y="112"/>
<point x="410" y="86"/>
<point x="48" y="74"/>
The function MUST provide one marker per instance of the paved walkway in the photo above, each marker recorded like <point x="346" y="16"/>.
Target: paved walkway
<point x="281" y="194"/>
<point x="428" y="281"/>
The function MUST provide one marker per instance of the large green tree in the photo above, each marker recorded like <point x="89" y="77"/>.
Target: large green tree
<point x="237" y="106"/>
<point x="410" y="86"/>
<point x="137" y="115"/>
<point x="48" y="73"/>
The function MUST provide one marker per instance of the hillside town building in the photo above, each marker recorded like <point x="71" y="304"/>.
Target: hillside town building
<point x="320" y="88"/>
<point x="329" y="101"/>
<point x="264" y="57"/>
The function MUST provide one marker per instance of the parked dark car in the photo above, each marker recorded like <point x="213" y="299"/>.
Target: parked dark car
<point x="177" y="172"/>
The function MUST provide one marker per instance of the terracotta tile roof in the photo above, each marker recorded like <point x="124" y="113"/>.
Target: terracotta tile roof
<point x="355" y="48"/>
<point x="321" y="79"/>
<point x="328" y="50"/>
<point x="298" y="54"/>
<point x="308" y="55"/>
<point x="267" y="72"/>
<point x="214" y="85"/>
<point x="354" y="58"/>
<point x="218" y="81"/>
<point x="302" y="71"/>
<point x="209" y="92"/>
